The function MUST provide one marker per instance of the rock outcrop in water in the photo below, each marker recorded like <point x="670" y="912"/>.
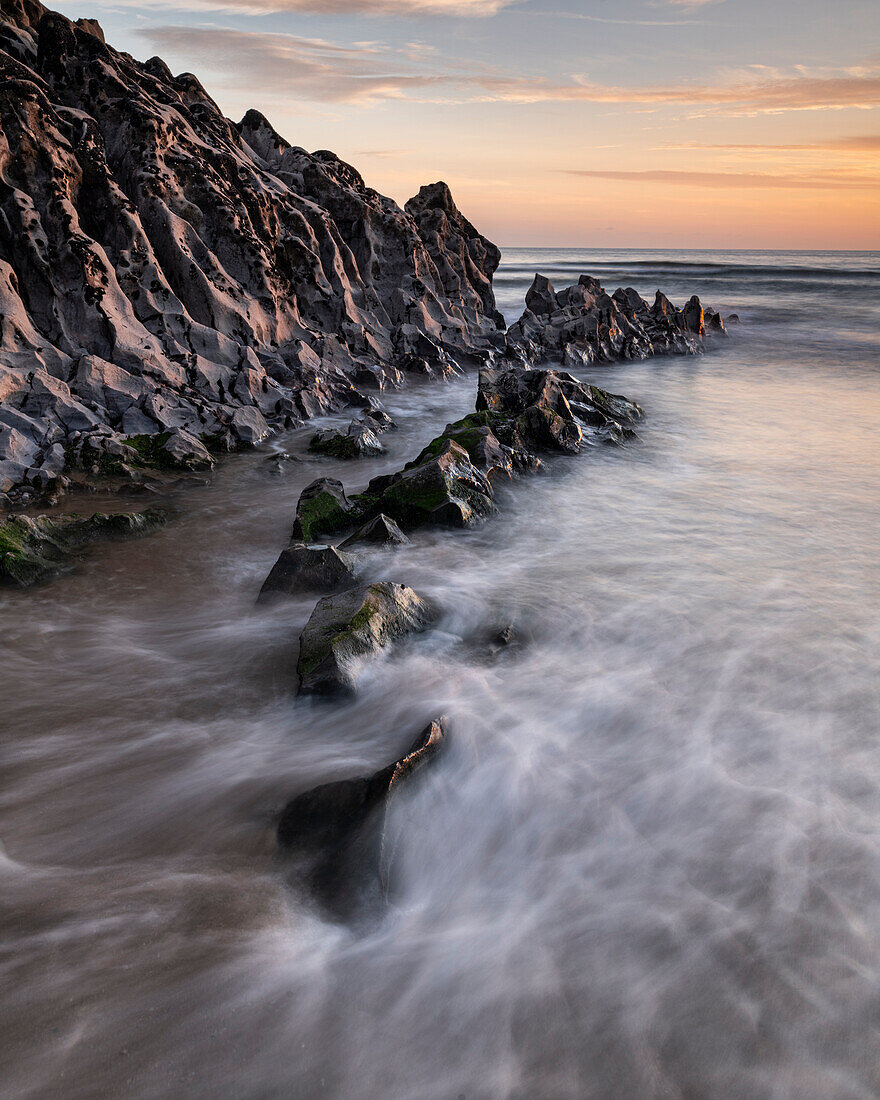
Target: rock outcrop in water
<point x="583" y="324"/>
<point x="33" y="549"/>
<point x="166" y="272"/>
<point x="520" y="415"/>
<point x="336" y="835"/>
<point x="347" y="629"/>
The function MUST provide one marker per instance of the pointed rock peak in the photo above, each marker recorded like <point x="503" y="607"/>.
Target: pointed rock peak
<point x="541" y="297"/>
<point x="434" y="196"/>
<point x="256" y="125"/>
<point x="93" y="27"/>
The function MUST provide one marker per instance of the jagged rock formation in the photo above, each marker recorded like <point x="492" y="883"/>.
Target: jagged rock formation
<point x="166" y="272"/>
<point x="520" y="415"/>
<point x="582" y="324"/>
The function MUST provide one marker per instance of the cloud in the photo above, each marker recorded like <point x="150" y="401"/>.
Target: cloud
<point x="865" y="143"/>
<point x="801" y="91"/>
<point x="400" y="8"/>
<point x="311" y="68"/>
<point x="829" y="181"/>
<point x="322" y="71"/>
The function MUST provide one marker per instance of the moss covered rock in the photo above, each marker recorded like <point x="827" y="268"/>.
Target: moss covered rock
<point x="445" y="489"/>
<point x="32" y="549"/>
<point x="323" y="509"/>
<point x="346" y="629"/>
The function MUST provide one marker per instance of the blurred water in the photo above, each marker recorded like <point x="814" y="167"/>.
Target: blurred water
<point x="649" y="865"/>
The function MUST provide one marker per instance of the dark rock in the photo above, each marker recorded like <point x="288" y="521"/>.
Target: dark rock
<point x="322" y="509"/>
<point x="694" y="318"/>
<point x="442" y="488"/>
<point x="33" y="549"/>
<point x="353" y="626"/>
<point x="378" y="421"/>
<point x="335" y="835"/>
<point x="380" y="531"/>
<point x="358" y="442"/>
<point x="582" y="324"/>
<point x="210" y="276"/>
<point x="303" y="568"/>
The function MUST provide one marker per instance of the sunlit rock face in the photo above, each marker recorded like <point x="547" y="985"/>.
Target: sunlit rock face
<point x="165" y="271"/>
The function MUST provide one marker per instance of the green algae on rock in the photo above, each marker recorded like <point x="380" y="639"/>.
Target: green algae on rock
<point x="352" y="626"/>
<point x="32" y="549"/>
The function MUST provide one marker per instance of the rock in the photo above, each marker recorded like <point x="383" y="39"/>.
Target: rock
<point x="302" y="568"/>
<point x="714" y="323"/>
<point x="161" y="259"/>
<point x="380" y="531"/>
<point x="185" y="452"/>
<point x="358" y="442"/>
<point x="322" y="509"/>
<point x="336" y="836"/>
<point x="581" y="324"/>
<point x="694" y="320"/>
<point x="346" y="629"/>
<point x="442" y="488"/>
<point x="541" y="297"/>
<point x="33" y="549"/>
<point x="378" y="421"/>
<point x="249" y="425"/>
<point x="733" y="319"/>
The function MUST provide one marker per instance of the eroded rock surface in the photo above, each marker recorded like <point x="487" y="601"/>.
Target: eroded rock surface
<point x="165" y="271"/>
<point x="582" y="324"/>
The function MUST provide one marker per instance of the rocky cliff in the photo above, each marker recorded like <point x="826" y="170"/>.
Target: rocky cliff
<point x="172" y="282"/>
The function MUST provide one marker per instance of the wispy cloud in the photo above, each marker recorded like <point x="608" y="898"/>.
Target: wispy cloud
<point x="323" y="71"/>
<point x="865" y="143"/>
<point x="827" y="181"/>
<point x="400" y="8"/>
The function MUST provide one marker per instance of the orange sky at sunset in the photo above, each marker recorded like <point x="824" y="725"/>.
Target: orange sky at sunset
<point x="642" y="123"/>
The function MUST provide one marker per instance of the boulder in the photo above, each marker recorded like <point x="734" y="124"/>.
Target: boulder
<point x="358" y="442"/>
<point x="322" y="509"/>
<point x="441" y="489"/>
<point x="302" y="568"/>
<point x="352" y="627"/>
<point x="335" y="838"/>
<point x="379" y="531"/>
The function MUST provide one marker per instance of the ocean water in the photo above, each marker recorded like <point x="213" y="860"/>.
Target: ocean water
<point x="649" y="863"/>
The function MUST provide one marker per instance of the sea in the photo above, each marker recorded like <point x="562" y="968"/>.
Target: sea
<point x="647" y="865"/>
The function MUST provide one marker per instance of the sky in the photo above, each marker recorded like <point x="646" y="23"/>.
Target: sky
<point x="588" y="123"/>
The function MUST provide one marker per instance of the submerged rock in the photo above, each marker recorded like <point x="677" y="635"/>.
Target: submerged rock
<point x="346" y="629"/>
<point x="302" y="568"/>
<point x="335" y="835"/>
<point x="33" y="549"/>
<point x="358" y="442"/>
